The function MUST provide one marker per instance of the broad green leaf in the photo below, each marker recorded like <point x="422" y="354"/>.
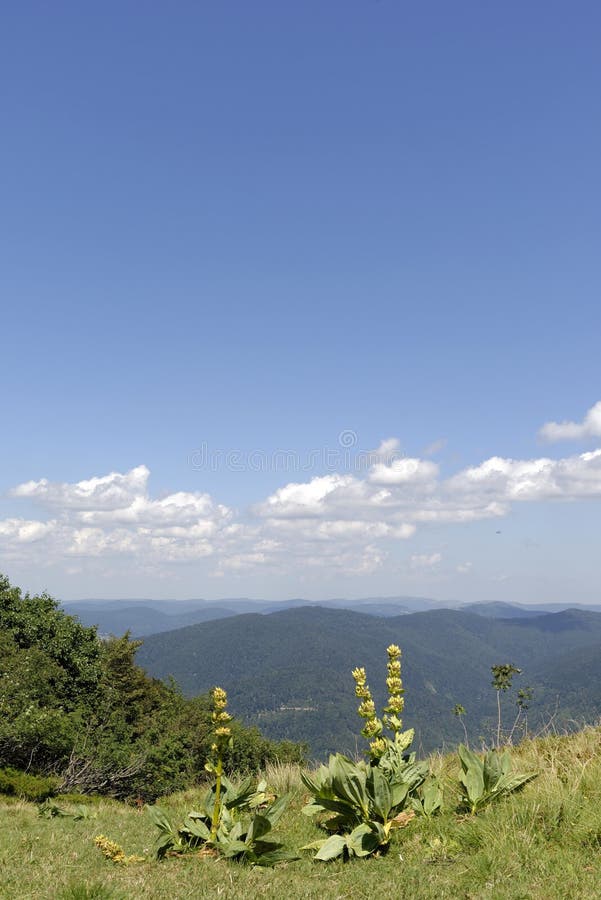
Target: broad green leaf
<point x="237" y="833"/>
<point x="432" y="794"/>
<point x="398" y="794"/>
<point x="259" y="826"/>
<point x="509" y="783"/>
<point x="315" y="845"/>
<point x="243" y="795"/>
<point x="312" y="808"/>
<point x="274" y="812"/>
<point x="493" y="768"/>
<point x="309" y="783"/>
<point x="230" y="849"/>
<point x="382" y="799"/>
<point x="348" y="782"/>
<point x="468" y="758"/>
<point x="197" y="827"/>
<point x="163" y="845"/>
<point x="506" y="765"/>
<point x="330" y="849"/>
<point x="473" y="774"/>
<point x="160" y="819"/>
<point x="349" y="811"/>
<point x="273" y="857"/>
<point x="474" y="785"/>
<point x="363" y="840"/>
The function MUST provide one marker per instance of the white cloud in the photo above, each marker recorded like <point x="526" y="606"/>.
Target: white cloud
<point x="178" y="509"/>
<point x="590" y="427"/>
<point x="333" y="523"/>
<point x="464" y="568"/>
<point x="425" y="560"/>
<point x="409" y="491"/>
<point x="25" y="531"/>
<point x="404" y="471"/>
<point x="108" y="492"/>
<point x="388" y="450"/>
<point x="505" y="480"/>
<point x="113" y="516"/>
<point x="305" y="498"/>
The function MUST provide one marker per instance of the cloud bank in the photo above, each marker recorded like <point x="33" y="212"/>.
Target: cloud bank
<point x="590" y="427"/>
<point x="339" y="522"/>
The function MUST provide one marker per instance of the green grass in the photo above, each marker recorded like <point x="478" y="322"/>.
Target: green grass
<point x="542" y="843"/>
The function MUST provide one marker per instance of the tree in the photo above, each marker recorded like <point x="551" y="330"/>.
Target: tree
<point x="501" y="681"/>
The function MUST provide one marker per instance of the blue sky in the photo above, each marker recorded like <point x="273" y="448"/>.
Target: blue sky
<point x="258" y="227"/>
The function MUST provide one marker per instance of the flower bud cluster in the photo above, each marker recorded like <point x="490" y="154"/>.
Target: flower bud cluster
<point x="374" y="726"/>
<point x="396" y="702"/>
<point x="367" y="708"/>
<point x="220" y="718"/>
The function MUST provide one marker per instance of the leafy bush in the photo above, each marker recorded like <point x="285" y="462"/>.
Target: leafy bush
<point x="238" y="837"/>
<point x="220" y="828"/>
<point x="27" y="787"/>
<point x="368" y="803"/>
<point x="368" y="800"/>
<point x="487" y="779"/>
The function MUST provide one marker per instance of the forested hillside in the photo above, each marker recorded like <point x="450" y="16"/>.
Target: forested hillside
<point x="290" y="671"/>
<point x="81" y="709"/>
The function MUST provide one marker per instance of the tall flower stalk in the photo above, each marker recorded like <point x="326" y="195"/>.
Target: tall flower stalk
<point x="374" y="726"/>
<point x="222" y="736"/>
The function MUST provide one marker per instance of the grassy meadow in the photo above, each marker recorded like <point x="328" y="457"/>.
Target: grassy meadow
<point x="543" y="842"/>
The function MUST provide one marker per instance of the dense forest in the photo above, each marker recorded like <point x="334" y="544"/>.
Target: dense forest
<point x="80" y="709"/>
<point x="290" y="674"/>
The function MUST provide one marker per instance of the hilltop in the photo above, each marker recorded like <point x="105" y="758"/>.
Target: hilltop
<point x="289" y="671"/>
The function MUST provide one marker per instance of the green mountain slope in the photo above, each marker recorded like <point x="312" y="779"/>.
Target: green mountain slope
<point x="290" y="671"/>
<point x="140" y="619"/>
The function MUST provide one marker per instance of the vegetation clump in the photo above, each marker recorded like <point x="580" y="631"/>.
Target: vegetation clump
<point x="368" y="801"/>
<point x="78" y="715"/>
<point x="489" y="778"/>
<point x="233" y="823"/>
<point x="114" y="852"/>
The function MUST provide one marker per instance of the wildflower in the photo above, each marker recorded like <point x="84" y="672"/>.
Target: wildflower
<point x="114" y="852"/>
<point x="396" y="705"/>
<point x="359" y="675"/>
<point x="219" y="698"/>
<point x="223" y="731"/>
<point x="378" y="747"/>
<point x="367" y="709"/>
<point x="373" y="728"/>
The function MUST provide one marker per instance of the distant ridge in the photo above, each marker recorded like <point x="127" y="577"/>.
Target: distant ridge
<point x="289" y="672"/>
<point x="143" y="617"/>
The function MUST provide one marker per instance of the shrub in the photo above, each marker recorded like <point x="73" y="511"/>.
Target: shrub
<point x="34" y="788"/>
<point x="368" y="800"/>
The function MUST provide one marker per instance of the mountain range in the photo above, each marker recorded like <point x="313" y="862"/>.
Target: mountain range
<point x="289" y="671"/>
<point x="145" y="616"/>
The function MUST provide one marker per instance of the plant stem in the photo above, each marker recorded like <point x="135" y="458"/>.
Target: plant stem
<point x="514" y="726"/>
<point x="467" y="740"/>
<point x="217" y="806"/>
<point x="498" y="719"/>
